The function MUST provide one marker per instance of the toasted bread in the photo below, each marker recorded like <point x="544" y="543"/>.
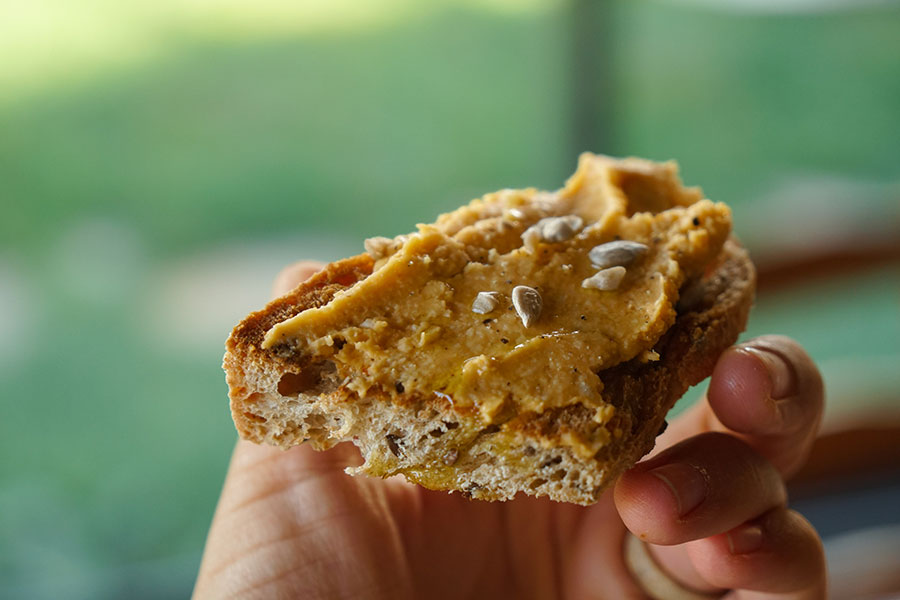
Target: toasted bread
<point x="289" y="386"/>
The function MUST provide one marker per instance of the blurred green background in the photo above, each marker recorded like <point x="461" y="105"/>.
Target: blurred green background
<point x="160" y="161"/>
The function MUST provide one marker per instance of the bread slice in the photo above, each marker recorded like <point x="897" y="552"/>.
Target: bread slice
<point x="283" y="392"/>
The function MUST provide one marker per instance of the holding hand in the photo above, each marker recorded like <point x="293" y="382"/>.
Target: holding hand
<point x="708" y="508"/>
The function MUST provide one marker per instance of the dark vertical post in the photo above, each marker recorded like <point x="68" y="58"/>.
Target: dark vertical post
<point x="590" y="71"/>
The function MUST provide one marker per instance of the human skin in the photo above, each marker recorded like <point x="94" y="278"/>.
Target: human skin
<point x="710" y="500"/>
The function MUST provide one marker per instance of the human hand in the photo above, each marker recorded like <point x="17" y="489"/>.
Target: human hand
<point x="710" y="501"/>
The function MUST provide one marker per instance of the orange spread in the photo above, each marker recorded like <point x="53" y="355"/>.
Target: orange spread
<point x="410" y="327"/>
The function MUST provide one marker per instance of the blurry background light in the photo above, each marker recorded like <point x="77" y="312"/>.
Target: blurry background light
<point x="784" y="6"/>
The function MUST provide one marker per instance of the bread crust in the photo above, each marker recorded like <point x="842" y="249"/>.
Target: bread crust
<point x="442" y="447"/>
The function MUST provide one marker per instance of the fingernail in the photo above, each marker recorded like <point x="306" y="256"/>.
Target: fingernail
<point x="780" y="373"/>
<point x="686" y="483"/>
<point x="745" y="539"/>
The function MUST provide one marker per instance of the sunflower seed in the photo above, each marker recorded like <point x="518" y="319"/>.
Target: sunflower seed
<point x="560" y="229"/>
<point x="552" y="229"/>
<point x="606" y="280"/>
<point x="528" y="304"/>
<point x="620" y="253"/>
<point x="485" y="302"/>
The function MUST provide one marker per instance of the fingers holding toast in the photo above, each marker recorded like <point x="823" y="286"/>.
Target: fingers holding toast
<point x="769" y="393"/>
<point x="698" y="488"/>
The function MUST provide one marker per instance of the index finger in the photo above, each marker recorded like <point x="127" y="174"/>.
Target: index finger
<point x="767" y="392"/>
